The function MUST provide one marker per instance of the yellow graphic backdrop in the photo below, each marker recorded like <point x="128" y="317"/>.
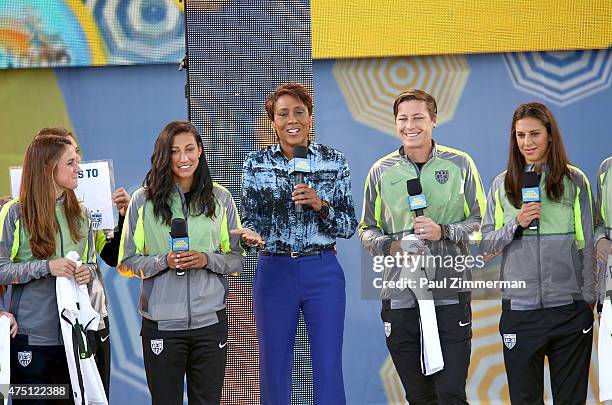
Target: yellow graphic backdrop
<point x="370" y="86"/>
<point x="32" y="100"/>
<point x="366" y="28"/>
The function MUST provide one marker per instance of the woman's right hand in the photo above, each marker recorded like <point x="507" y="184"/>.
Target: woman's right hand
<point x="62" y="267"/>
<point x="528" y="213"/>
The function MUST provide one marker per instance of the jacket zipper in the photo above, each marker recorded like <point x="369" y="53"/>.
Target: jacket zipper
<point x="187" y="273"/>
<point x="539" y="268"/>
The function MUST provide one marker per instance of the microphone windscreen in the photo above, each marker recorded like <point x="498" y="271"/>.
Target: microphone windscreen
<point x="300" y="152"/>
<point x="531" y="179"/>
<point x="414" y="187"/>
<point x="178" y="228"/>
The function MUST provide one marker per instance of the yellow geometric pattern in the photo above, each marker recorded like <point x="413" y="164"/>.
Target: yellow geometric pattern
<point x="487" y="383"/>
<point x="383" y="28"/>
<point x="370" y="86"/>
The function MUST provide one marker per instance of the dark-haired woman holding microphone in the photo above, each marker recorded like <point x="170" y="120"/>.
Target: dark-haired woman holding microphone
<point x="546" y="244"/>
<point x="182" y="301"/>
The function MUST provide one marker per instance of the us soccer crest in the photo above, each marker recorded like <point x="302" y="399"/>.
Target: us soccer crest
<point x="441" y="176"/>
<point x="157" y="345"/>
<point x="510" y="340"/>
<point x="24" y="358"/>
<point x="387" y="329"/>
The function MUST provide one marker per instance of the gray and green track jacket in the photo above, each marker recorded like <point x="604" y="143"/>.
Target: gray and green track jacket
<point x="455" y="197"/>
<point x="603" y="213"/>
<point x="181" y="302"/>
<point x="33" y="298"/>
<point x="555" y="262"/>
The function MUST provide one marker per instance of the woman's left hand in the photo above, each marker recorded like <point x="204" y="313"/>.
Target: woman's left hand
<point x="426" y="229"/>
<point x="190" y="259"/>
<point x="82" y="275"/>
<point x="304" y="195"/>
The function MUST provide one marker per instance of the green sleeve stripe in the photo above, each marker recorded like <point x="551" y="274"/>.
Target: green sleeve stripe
<point x="85" y="255"/>
<point x="15" y="247"/>
<point x="138" y="237"/>
<point x="4" y="213"/>
<point x="100" y="240"/>
<point x="16" y="233"/>
<point x="225" y="239"/>
<point x="378" y="209"/>
<point x="499" y="212"/>
<point x="578" y="220"/>
<point x="588" y="185"/>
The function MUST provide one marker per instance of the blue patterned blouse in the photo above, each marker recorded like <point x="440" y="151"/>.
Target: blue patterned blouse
<point x="268" y="210"/>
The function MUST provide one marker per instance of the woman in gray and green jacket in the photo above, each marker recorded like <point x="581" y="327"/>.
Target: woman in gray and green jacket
<point x="182" y="300"/>
<point x="36" y="232"/>
<point x="551" y="313"/>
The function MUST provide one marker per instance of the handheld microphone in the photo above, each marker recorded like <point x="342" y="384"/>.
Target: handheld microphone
<point x="179" y="241"/>
<point x="416" y="199"/>
<point x="531" y="193"/>
<point x="298" y="166"/>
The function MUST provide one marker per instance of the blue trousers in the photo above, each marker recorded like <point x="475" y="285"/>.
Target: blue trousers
<point x="282" y="287"/>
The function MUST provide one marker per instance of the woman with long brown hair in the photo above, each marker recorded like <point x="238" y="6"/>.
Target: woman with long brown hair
<point x="108" y="249"/>
<point x="38" y="230"/>
<point x="539" y="217"/>
<point x="182" y="301"/>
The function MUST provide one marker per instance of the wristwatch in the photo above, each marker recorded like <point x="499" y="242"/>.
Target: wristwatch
<point x="324" y="211"/>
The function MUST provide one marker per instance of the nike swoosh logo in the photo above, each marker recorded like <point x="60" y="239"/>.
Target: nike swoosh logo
<point x="104" y="339"/>
<point x="585" y="331"/>
<point x="393" y="183"/>
<point x="221" y="346"/>
<point x="464" y="324"/>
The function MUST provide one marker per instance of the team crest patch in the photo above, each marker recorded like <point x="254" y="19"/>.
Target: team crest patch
<point x="157" y="345"/>
<point x="441" y="176"/>
<point x="387" y="329"/>
<point x="24" y="358"/>
<point x="510" y="340"/>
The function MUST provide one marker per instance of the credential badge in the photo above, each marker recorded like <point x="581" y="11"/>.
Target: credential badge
<point x="442" y="176"/>
<point x="25" y="358"/>
<point x="510" y="340"/>
<point x="157" y="345"/>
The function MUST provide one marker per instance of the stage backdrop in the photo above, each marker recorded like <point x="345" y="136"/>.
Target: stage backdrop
<point x="118" y="111"/>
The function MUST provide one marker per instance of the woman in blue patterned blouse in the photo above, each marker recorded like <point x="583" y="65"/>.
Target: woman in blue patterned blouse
<point x="297" y="270"/>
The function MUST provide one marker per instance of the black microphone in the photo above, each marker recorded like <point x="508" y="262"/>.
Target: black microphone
<point x="179" y="241"/>
<point x="416" y="199"/>
<point x="531" y="193"/>
<point x="298" y="166"/>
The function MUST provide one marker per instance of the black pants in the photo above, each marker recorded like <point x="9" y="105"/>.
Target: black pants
<point x="202" y="358"/>
<point x="404" y="343"/>
<point x="38" y="365"/>
<point x="102" y="350"/>
<point x="563" y="334"/>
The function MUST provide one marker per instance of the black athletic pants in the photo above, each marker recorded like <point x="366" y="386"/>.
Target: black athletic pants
<point x="38" y="365"/>
<point x="102" y="350"/>
<point x="565" y="335"/>
<point x="201" y="357"/>
<point x="404" y="343"/>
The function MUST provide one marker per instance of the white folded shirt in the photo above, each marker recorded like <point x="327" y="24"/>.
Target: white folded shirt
<point x="604" y="351"/>
<point x="77" y="317"/>
<point x="5" y="353"/>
